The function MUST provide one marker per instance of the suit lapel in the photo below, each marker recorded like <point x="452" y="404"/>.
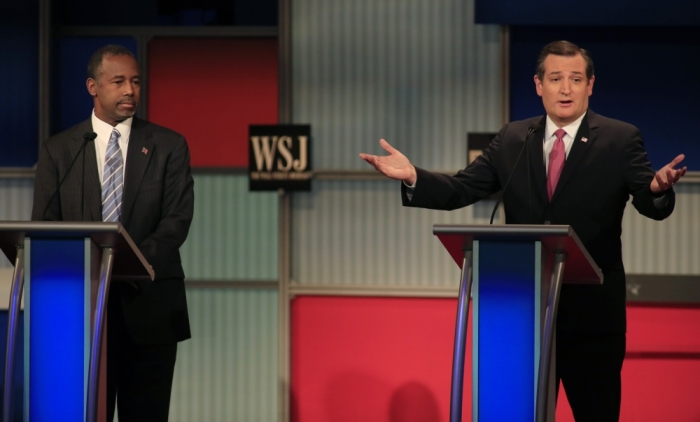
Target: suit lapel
<point x="93" y="189"/>
<point x="92" y="193"/>
<point x="536" y="150"/>
<point x="582" y="142"/>
<point x="139" y="152"/>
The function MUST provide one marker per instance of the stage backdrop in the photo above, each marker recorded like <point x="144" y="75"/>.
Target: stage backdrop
<point x="377" y="359"/>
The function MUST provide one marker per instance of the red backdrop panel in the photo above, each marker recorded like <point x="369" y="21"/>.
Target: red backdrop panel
<point x="373" y="359"/>
<point x="389" y="360"/>
<point x="210" y="90"/>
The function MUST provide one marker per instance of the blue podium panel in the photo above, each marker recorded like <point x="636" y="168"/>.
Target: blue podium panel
<point x="57" y="318"/>
<point x="506" y="297"/>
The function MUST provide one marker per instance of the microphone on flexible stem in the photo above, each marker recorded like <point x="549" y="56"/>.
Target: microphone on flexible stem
<point x="530" y="131"/>
<point x="87" y="137"/>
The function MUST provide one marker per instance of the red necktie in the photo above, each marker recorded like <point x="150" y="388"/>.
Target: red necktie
<point x="556" y="162"/>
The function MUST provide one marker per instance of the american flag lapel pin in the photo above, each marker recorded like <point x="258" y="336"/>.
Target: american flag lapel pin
<point x="584" y="139"/>
<point x="144" y="150"/>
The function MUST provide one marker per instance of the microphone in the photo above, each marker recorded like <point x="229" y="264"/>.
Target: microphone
<point x="532" y="129"/>
<point x="87" y="137"/>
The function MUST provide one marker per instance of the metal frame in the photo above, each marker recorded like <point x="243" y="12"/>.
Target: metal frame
<point x="544" y="374"/>
<point x="285" y="214"/>
<point x="12" y="322"/>
<point x="460" y="345"/>
<point x="97" y="334"/>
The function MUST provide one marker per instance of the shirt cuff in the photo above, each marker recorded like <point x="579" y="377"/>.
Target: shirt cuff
<point x="661" y="201"/>
<point x="409" y="190"/>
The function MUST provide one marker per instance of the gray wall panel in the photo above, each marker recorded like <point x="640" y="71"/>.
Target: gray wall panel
<point x="227" y="372"/>
<point x="234" y="232"/>
<point x="15" y="204"/>
<point x="16" y="198"/>
<point x="358" y="233"/>
<point x="417" y="73"/>
<point x="671" y="246"/>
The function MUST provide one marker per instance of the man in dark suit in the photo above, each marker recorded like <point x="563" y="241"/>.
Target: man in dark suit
<point x="577" y="168"/>
<point x="141" y="172"/>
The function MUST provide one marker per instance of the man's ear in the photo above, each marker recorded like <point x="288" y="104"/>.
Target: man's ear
<point x="590" y="85"/>
<point x="91" y="85"/>
<point x="538" y="86"/>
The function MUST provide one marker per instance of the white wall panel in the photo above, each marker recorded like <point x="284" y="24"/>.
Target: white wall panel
<point x="358" y="233"/>
<point x="234" y="231"/>
<point x="16" y="198"/>
<point x="227" y="371"/>
<point x="419" y="73"/>
<point x="355" y="233"/>
<point x="671" y="246"/>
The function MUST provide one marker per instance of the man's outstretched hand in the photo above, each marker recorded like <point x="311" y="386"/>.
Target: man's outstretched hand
<point x="668" y="176"/>
<point x="395" y="165"/>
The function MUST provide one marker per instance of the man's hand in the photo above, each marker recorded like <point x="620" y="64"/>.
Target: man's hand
<point x="395" y="165"/>
<point x="667" y="176"/>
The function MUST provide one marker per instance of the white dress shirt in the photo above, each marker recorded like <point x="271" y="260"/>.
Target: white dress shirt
<point x="104" y="131"/>
<point x="549" y="137"/>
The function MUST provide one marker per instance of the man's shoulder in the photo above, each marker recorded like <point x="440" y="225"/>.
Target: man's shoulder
<point x="162" y="132"/>
<point x="596" y="120"/>
<point x="74" y="132"/>
<point x="529" y="121"/>
<point x="518" y="127"/>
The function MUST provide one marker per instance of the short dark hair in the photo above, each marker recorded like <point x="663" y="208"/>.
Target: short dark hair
<point x="95" y="62"/>
<point x="566" y="49"/>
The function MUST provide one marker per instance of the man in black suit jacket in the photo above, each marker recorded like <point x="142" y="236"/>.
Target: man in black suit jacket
<point x="145" y="320"/>
<point x="605" y="164"/>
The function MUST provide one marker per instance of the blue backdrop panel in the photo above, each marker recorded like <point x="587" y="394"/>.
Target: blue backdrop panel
<point x="506" y="342"/>
<point x="595" y="12"/>
<point x="72" y="102"/>
<point x="56" y="323"/>
<point x="95" y="13"/>
<point x="19" y="71"/>
<point x="644" y="76"/>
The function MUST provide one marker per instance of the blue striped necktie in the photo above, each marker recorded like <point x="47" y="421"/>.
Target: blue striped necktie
<point x="112" y="179"/>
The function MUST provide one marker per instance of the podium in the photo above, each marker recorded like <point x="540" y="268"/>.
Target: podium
<point x="514" y="274"/>
<point x="68" y="267"/>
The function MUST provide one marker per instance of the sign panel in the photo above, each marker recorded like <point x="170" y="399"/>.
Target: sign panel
<point x="279" y="157"/>
<point x="477" y="143"/>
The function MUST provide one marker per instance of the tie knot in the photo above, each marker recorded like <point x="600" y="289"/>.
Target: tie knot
<point x="559" y="133"/>
<point x="114" y="137"/>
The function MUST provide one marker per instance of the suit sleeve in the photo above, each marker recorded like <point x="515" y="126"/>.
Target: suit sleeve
<point x="161" y="247"/>
<point x="638" y="176"/>
<point x="443" y="192"/>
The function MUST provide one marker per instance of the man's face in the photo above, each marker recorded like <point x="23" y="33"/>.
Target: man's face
<point x="117" y="90"/>
<point x="564" y="88"/>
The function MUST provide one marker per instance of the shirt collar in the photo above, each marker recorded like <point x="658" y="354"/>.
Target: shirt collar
<point x="571" y="129"/>
<point x="104" y="129"/>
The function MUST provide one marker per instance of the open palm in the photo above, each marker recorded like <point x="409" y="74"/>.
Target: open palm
<point x="395" y="165"/>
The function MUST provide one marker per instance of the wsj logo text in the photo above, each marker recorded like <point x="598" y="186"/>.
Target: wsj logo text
<point x="279" y="157"/>
<point x="265" y="148"/>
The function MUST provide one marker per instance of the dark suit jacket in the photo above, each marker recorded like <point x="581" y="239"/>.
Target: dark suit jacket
<point x="606" y="164"/>
<point x="157" y="207"/>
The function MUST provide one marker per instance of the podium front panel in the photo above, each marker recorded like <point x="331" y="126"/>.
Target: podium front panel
<point x="507" y="297"/>
<point x="57" y="318"/>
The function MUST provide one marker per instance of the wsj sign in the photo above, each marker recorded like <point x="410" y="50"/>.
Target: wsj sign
<point x="279" y="157"/>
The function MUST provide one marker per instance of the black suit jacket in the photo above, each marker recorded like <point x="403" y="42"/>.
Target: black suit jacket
<point x="157" y="208"/>
<point x="606" y="164"/>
